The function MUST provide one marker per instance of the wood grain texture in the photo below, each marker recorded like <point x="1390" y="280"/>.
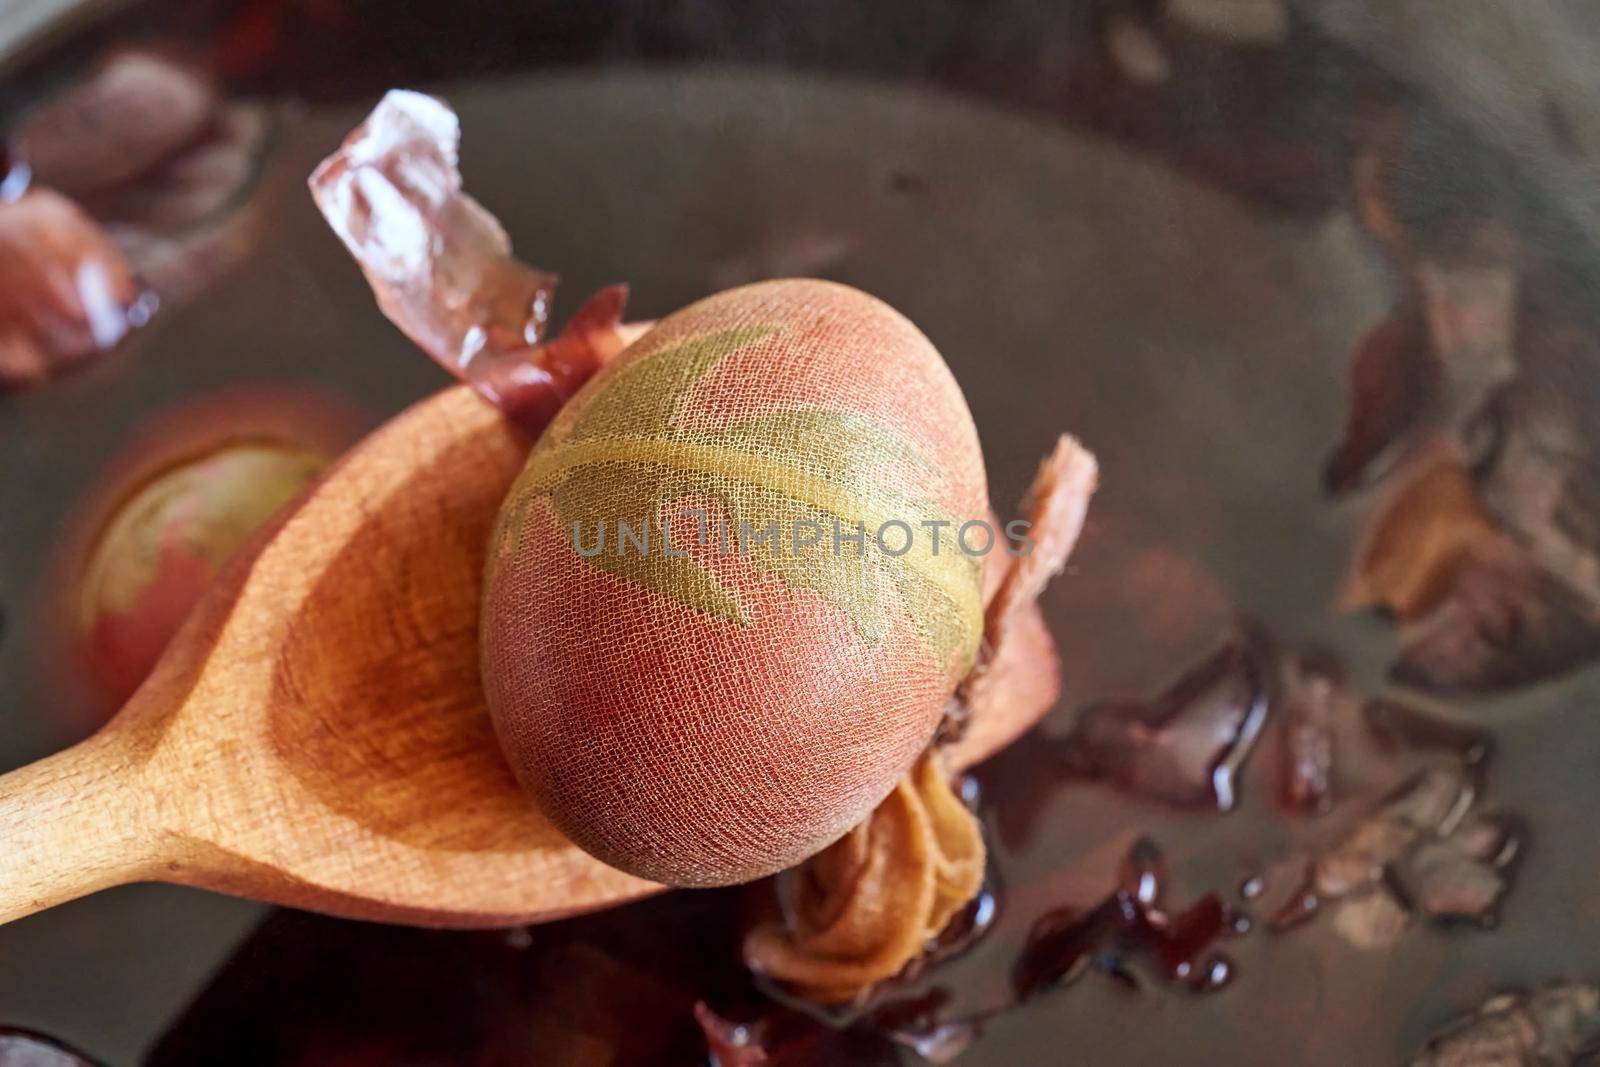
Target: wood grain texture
<point x="316" y="735"/>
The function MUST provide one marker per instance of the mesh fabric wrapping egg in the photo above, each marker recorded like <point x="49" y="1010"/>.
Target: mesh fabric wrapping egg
<point x="710" y="706"/>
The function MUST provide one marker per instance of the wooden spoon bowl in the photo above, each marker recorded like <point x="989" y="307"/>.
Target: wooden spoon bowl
<point x="316" y="734"/>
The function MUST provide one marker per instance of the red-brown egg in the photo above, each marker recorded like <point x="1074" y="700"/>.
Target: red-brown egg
<point x="686" y="700"/>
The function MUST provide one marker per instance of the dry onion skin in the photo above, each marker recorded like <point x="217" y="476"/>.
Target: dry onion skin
<point x="1431" y="525"/>
<point x="712" y="718"/>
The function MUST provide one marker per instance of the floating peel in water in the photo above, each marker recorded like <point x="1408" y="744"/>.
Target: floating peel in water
<point x="133" y="112"/>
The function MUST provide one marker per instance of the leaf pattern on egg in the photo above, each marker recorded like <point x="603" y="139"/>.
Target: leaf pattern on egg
<point x="626" y="455"/>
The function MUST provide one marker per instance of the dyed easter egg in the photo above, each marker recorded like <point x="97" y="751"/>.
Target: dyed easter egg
<point x="733" y="590"/>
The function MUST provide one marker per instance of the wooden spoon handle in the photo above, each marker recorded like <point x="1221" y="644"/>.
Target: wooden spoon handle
<point x="71" y="824"/>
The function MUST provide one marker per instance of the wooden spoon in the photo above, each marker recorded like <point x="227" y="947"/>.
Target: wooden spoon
<point x="316" y="734"/>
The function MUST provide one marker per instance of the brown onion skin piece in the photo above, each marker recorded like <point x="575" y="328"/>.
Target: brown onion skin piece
<point x="680" y="746"/>
<point x="66" y="292"/>
<point x="1056" y="506"/>
<point x="857" y="912"/>
<point x="130" y="115"/>
<point x="1392" y="371"/>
